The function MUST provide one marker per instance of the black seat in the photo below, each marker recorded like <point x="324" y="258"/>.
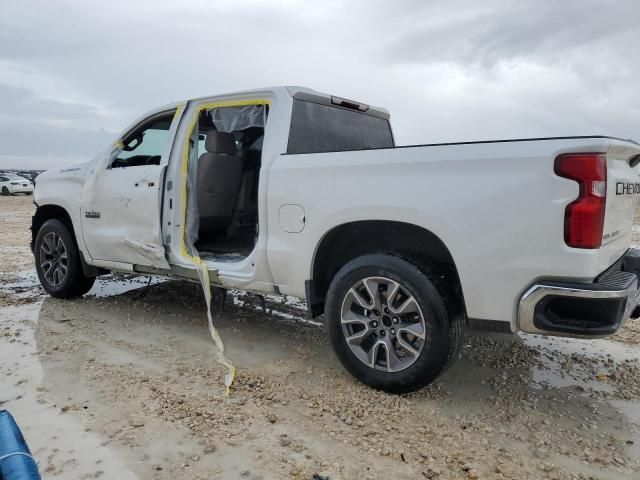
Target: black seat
<point x="219" y="178"/>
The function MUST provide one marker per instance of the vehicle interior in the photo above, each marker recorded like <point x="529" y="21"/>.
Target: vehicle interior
<point x="228" y="170"/>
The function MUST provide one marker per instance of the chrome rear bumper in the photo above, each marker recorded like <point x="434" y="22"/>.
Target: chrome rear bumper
<point x="583" y="309"/>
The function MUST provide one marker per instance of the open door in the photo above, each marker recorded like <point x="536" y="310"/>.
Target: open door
<point x="225" y="163"/>
<point x="121" y="203"/>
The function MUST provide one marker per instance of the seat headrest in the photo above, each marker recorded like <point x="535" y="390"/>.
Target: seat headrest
<point x="220" y="142"/>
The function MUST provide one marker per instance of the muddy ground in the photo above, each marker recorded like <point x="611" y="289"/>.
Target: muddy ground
<point x="123" y="384"/>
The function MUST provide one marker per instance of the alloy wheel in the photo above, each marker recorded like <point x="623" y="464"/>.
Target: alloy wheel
<point x="53" y="259"/>
<point x="383" y="324"/>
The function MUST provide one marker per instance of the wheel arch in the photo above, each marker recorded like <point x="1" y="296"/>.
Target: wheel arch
<point x="52" y="211"/>
<point x="353" y="239"/>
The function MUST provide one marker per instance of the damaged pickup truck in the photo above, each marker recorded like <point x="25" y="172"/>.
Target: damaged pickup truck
<point x="289" y="191"/>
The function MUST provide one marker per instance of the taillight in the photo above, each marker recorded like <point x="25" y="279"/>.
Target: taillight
<point x="584" y="217"/>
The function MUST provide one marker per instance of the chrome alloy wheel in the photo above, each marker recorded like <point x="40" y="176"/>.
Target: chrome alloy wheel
<point x="383" y="324"/>
<point x="53" y="259"/>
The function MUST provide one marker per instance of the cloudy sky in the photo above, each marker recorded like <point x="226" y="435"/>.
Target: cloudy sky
<point x="74" y="73"/>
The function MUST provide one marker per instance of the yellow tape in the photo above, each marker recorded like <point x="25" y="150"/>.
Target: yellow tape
<point x="222" y="359"/>
<point x="178" y="112"/>
<point x="185" y="155"/>
<point x="203" y="270"/>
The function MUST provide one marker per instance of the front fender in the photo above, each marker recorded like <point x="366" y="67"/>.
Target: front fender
<point x="62" y="188"/>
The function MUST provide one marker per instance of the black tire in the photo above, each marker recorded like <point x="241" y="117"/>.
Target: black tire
<point x="74" y="283"/>
<point x="5" y="191"/>
<point x="444" y="324"/>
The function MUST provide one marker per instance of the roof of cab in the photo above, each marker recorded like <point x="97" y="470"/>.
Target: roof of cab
<point x="296" y="91"/>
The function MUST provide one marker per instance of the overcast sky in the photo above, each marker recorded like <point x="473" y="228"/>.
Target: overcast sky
<point x="74" y="73"/>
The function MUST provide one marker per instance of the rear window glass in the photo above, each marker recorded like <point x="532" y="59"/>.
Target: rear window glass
<point x="319" y="128"/>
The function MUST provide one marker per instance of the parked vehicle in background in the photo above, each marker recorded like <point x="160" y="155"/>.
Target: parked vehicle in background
<point x="290" y="191"/>
<point x="11" y="184"/>
<point x="28" y="175"/>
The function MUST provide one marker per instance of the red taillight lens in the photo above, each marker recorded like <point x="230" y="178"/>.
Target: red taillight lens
<point x="584" y="217"/>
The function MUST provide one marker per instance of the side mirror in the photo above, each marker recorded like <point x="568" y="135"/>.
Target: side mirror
<point x="133" y="143"/>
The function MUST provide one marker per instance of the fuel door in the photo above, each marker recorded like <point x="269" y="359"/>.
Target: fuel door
<point x="291" y="218"/>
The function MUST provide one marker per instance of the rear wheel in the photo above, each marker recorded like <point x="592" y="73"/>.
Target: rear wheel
<point x="391" y="324"/>
<point x="58" y="262"/>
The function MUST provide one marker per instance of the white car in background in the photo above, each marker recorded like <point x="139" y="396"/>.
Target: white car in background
<point x="11" y="184"/>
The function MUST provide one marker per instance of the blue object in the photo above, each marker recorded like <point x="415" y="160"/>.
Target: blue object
<point x="16" y="462"/>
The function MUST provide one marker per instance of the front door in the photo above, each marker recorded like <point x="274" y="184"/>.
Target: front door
<point x="121" y="202"/>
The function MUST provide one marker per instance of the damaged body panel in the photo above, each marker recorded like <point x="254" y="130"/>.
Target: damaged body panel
<point x="121" y="196"/>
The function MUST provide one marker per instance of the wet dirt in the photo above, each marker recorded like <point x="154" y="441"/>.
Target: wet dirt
<point x="123" y="383"/>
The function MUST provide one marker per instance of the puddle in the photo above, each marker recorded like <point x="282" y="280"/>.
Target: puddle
<point x="24" y="285"/>
<point x="117" y="284"/>
<point x="590" y="348"/>
<point x="631" y="410"/>
<point x="60" y="443"/>
<point x="571" y="362"/>
<point x="287" y="308"/>
<point x="161" y="330"/>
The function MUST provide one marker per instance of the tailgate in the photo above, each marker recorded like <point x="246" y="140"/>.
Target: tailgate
<point x="623" y="191"/>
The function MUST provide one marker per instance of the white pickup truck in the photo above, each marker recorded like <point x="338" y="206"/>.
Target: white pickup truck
<point x="289" y="191"/>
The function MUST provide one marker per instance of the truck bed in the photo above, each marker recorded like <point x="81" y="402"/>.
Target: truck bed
<point x="497" y="205"/>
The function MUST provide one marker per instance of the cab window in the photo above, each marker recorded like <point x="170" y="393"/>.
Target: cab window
<point x="145" y="144"/>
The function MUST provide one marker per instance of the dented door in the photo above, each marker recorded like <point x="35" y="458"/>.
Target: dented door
<point x="121" y="220"/>
<point x="121" y="202"/>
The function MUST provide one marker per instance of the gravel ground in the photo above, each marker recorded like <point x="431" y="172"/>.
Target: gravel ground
<point x="123" y="384"/>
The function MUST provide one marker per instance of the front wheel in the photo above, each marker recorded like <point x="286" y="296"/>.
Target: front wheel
<point x="58" y="262"/>
<point x="391" y="324"/>
<point x="5" y="191"/>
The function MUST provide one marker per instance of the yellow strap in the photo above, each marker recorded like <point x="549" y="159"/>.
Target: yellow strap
<point x="221" y="358"/>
